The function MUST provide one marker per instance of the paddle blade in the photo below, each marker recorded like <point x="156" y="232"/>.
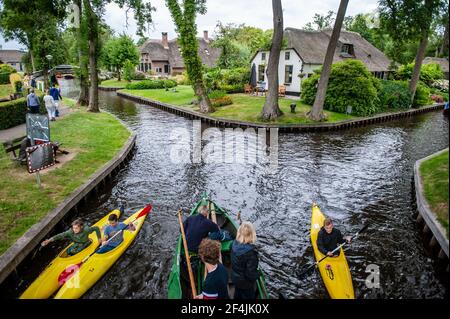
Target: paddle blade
<point x="145" y="211"/>
<point x="68" y="273"/>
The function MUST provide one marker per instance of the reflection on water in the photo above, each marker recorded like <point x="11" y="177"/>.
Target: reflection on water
<point x="357" y="176"/>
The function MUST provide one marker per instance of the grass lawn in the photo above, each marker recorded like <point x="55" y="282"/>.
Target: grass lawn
<point x="115" y="83"/>
<point x="434" y="174"/>
<point x="244" y="108"/>
<point x="5" y="90"/>
<point x="92" y="138"/>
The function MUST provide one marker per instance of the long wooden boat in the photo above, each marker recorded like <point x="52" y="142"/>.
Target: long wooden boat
<point x="178" y="287"/>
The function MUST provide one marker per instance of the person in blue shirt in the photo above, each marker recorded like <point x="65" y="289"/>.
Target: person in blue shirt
<point x="112" y="229"/>
<point x="215" y="285"/>
<point x="198" y="227"/>
<point x="33" y="102"/>
<point x="55" y="92"/>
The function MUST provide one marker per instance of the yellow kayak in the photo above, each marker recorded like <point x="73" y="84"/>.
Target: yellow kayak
<point x="47" y="282"/>
<point x="98" y="264"/>
<point x="334" y="270"/>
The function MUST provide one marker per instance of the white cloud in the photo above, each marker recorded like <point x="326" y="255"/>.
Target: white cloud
<point x="256" y="13"/>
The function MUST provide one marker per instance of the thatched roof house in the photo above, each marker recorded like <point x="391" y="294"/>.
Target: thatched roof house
<point x="12" y="58"/>
<point x="163" y="57"/>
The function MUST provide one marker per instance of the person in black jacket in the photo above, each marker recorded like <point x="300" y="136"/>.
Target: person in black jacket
<point x="329" y="238"/>
<point x="244" y="262"/>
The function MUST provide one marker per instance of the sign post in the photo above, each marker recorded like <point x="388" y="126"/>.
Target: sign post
<point x="40" y="157"/>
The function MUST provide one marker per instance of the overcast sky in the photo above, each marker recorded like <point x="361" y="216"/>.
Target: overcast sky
<point x="257" y="13"/>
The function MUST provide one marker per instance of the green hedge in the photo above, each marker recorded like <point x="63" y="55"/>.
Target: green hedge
<point x="229" y="80"/>
<point x="422" y="96"/>
<point x="428" y="73"/>
<point x="394" y="95"/>
<point x="12" y="113"/>
<point x="151" y="84"/>
<point x="350" y="85"/>
<point x="4" y="78"/>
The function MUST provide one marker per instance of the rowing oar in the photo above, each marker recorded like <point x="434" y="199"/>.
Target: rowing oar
<point x="70" y="271"/>
<point x="308" y="270"/>
<point x="188" y="259"/>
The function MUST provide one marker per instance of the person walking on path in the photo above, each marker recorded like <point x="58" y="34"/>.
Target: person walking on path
<point x="33" y="103"/>
<point x="50" y="105"/>
<point x="55" y="92"/>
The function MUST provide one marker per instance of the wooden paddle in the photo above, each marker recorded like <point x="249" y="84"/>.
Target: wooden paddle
<point x="188" y="259"/>
<point x="309" y="269"/>
<point x="70" y="271"/>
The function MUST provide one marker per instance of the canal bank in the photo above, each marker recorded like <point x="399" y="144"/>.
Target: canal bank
<point x="362" y="175"/>
<point x="431" y="187"/>
<point x="100" y="145"/>
<point x="287" y="128"/>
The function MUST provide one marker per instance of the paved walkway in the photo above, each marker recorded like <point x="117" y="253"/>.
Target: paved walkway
<point x="21" y="130"/>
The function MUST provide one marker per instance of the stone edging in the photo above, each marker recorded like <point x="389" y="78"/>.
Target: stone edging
<point x="109" y="88"/>
<point x="425" y="210"/>
<point x="221" y="122"/>
<point x="25" y="244"/>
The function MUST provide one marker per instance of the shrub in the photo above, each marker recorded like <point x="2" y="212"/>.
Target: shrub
<point x="217" y="94"/>
<point x="139" y="76"/>
<point x="422" y="96"/>
<point x="181" y="79"/>
<point x="128" y="70"/>
<point x="441" y="85"/>
<point x="222" y="101"/>
<point x="229" y="80"/>
<point x="428" y="73"/>
<point x="4" y="78"/>
<point x="350" y="84"/>
<point x="6" y="68"/>
<point x="151" y="85"/>
<point x="437" y="98"/>
<point x="394" y="95"/>
<point x="12" y="113"/>
<point x="13" y="79"/>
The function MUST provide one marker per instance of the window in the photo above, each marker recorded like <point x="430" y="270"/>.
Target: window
<point x="287" y="55"/>
<point x="263" y="56"/>
<point x="167" y="69"/>
<point x="261" y="70"/>
<point x="288" y="69"/>
<point x="158" y="70"/>
<point x="347" y="50"/>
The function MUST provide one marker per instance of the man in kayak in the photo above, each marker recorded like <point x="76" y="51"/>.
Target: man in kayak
<point x="215" y="285"/>
<point x="329" y="238"/>
<point x="110" y="231"/>
<point x="197" y="228"/>
<point x="79" y="235"/>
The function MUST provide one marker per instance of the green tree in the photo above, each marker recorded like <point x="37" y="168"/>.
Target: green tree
<point x="410" y="20"/>
<point x="184" y="18"/>
<point x="271" y="109"/>
<point x="321" y="21"/>
<point x="118" y="51"/>
<point x="316" y="113"/>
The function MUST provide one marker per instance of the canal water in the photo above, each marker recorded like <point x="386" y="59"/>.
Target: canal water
<point x="357" y="176"/>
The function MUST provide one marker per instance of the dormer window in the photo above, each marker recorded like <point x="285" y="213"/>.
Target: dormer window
<point x="347" y="50"/>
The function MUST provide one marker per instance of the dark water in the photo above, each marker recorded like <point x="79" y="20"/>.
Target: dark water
<point x="357" y="176"/>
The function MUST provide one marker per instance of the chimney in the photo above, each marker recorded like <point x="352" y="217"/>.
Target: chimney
<point x="165" y="40"/>
<point x="205" y="36"/>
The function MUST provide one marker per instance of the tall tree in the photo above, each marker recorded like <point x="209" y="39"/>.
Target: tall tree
<point x="93" y="10"/>
<point x="410" y="20"/>
<point x="184" y="19"/>
<point x="321" y="21"/>
<point x="117" y="51"/>
<point x="316" y="113"/>
<point x="271" y="109"/>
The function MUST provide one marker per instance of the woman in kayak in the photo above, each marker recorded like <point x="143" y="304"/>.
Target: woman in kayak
<point x="329" y="238"/>
<point x="79" y="235"/>
<point x="110" y="231"/>
<point x="244" y="261"/>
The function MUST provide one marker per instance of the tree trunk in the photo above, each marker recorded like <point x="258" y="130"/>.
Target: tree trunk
<point x="271" y="109"/>
<point x="118" y="75"/>
<point x="418" y="64"/>
<point x="83" y="98"/>
<point x="316" y="113"/>
<point x="45" y="74"/>
<point x="203" y="99"/>
<point x="444" y="47"/>
<point x="93" y="38"/>
<point x="33" y="65"/>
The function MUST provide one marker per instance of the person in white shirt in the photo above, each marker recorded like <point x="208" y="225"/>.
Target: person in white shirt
<point x="50" y="105"/>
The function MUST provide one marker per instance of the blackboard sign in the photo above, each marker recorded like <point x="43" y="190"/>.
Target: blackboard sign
<point x="40" y="157"/>
<point x="38" y="127"/>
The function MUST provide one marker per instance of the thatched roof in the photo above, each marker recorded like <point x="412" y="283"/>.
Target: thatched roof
<point x="8" y="56"/>
<point x="443" y="62"/>
<point x="156" y="51"/>
<point x="312" y="47"/>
